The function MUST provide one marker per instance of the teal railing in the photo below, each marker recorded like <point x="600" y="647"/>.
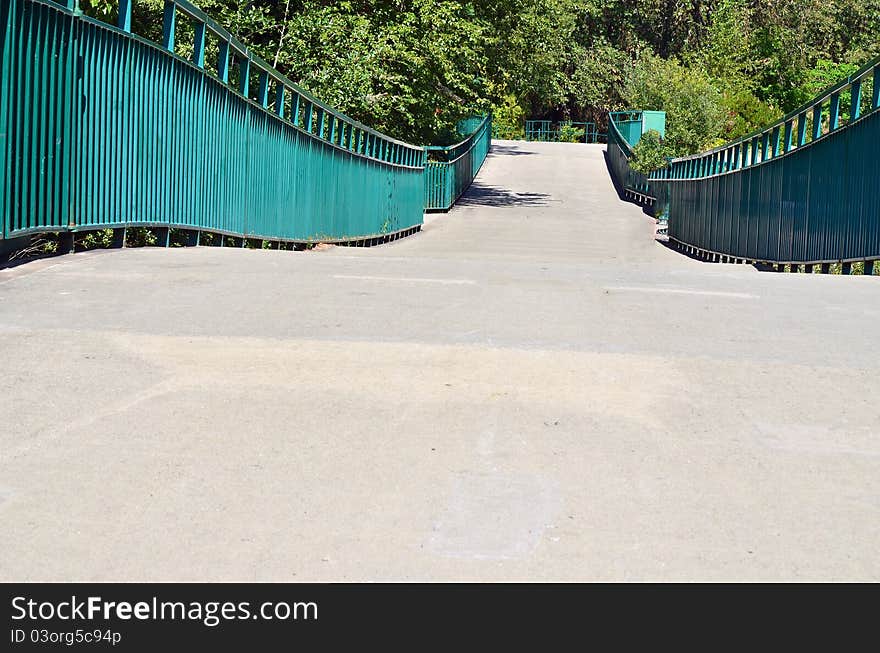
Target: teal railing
<point x="547" y="130"/>
<point x="802" y="190"/>
<point x="101" y="128"/>
<point x="450" y="170"/>
<point x="632" y="184"/>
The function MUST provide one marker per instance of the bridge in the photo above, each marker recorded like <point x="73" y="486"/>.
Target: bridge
<point x="532" y="385"/>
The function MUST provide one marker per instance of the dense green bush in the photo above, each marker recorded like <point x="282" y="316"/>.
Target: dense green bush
<point x="650" y="153"/>
<point x="571" y="134"/>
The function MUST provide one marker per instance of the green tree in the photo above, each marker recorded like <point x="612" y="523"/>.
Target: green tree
<point x="650" y="153"/>
<point x="694" y="110"/>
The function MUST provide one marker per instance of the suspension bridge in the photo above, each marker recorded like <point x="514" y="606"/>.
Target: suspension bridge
<point x="531" y="385"/>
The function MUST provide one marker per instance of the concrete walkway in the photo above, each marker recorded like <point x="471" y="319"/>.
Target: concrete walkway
<point x="531" y="388"/>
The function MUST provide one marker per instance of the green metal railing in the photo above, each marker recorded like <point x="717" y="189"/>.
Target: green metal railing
<point x="101" y="128"/>
<point x="547" y="130"/>
<point x="803" y="190"/>
<point x="632" y="184"/>
<point x="450" y="170"/>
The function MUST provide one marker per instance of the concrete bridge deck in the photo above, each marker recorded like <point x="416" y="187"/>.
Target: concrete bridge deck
<point x="531" y="388"/>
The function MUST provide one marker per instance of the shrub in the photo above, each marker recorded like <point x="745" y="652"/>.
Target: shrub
<point x="650" y="153"/>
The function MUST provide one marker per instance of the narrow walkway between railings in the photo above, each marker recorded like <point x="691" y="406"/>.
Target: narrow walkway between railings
<point x="530" y="388"/>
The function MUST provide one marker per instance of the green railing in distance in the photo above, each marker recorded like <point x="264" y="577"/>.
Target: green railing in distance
<point x="631" y="184"/>
<point x="449" y="171"/>
<point x="632" y="124"/>
<point x="548" y="131"/>
<point x="803" y="190"/>
<point x="101" y="128"/>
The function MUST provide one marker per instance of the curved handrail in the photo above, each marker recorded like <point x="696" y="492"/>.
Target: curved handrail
<point x="465" y="144"/>
<point x="801" y="191"/>
<point x="353" y="135"/>
<point x="235" y="45"/>
<point x="764" y="144"/>
<point x="620" y="152"/>
<point x="446" y="181"/>
<point x="109" y="129"/>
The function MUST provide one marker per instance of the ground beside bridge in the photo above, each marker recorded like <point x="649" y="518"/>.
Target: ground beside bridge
<point x="530" y="388"/>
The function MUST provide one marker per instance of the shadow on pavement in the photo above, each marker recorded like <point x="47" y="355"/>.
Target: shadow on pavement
<point x="509" y="150"/>
<point x="481" y="195"/>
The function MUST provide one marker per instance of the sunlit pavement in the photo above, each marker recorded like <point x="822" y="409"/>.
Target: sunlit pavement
<point x="531" y="388"/>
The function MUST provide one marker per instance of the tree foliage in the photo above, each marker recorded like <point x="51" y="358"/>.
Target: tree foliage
<point x="650" y="153"/>
<point x="413" y="68"/>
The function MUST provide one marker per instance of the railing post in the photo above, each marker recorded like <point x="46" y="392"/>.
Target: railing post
<point x="169" y="22"/>
<point x="279" y="100"/>
<point x="786" y="143"/>
<point x="875" y="96"/>
<point x="817" y="122"/>
<point x="834" y="115"/>
<point x="802" y="128"/>
<point x="263" y="96"/>
<point x="223" y="62"/>
<point x="245" y="77"/>
<point x="199" y="45"/>
<point x="125" y="15"/>
<point x="320" y="123"/>
<point x="308" y="119"/>
<point x="855" y="96"/>
<point x="296" y="104"/>
<point x="774" y="142"/>
<point x="755" y="147"/>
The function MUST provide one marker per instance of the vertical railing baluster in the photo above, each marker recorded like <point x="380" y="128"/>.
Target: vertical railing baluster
<point x="802" y="128"/>
<point x="198" y="57"/>
<point x="169" y="22"/>
<point x="834" y="112"/>
<point x="855" y="97"/>
<point x="279" y="100"/>
<point x="309" y="118"/>
<point x="296" y="103"/>
<point x="817" y="121"/>
<point x="124" y="21"/>
<point x="263" y="95"/>
<point x="786" y="143"/>
<point x="244" y="73"/>
<point x="223" y="62"/>
<point x="875" y="95"/>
